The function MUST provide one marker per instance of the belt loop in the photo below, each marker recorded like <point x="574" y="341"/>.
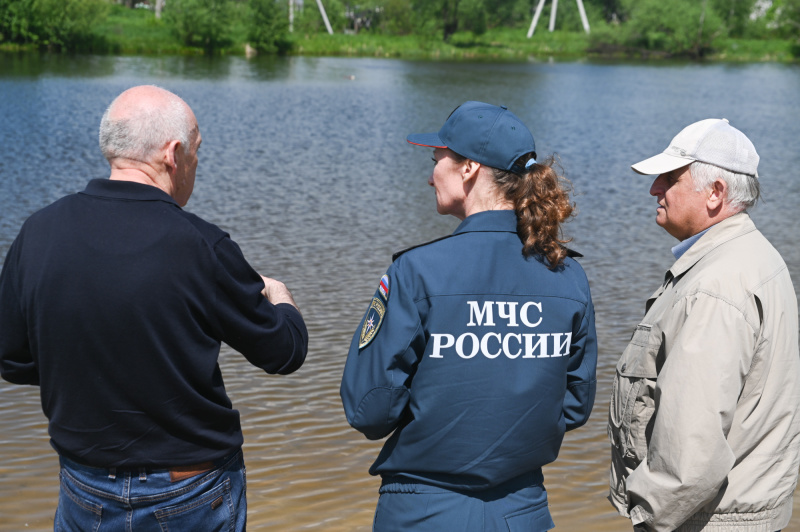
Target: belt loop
<point x="142" y="474"/>
<point x="112" y="473"/>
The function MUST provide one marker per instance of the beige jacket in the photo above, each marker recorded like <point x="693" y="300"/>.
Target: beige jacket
<point x="704" y="419"/>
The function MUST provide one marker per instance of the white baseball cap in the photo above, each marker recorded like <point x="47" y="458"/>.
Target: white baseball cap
<point x="712" y="141"/>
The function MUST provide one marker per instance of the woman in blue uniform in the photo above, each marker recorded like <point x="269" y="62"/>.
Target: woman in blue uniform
<point x="478" y="350"/>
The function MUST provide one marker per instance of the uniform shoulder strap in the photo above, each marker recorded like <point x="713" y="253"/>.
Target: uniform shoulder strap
<point x="570" y="253"/>
<point x="397" y="254"/>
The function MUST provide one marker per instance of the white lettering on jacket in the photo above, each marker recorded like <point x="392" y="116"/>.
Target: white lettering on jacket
<point x="505" y="310"/>
<point x="493" y="344"/>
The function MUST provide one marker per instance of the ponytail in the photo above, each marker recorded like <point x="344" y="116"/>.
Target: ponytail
<point x="541" y="201"/>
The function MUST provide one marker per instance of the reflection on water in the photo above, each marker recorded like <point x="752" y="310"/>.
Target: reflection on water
<point x="304" y="162"/>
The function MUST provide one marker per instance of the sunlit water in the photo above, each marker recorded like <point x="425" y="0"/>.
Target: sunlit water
<point x="304" y="162"/>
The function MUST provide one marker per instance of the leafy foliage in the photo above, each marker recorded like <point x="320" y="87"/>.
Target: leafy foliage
<point x="268" y="27"/>
<point x="309" y="19"/>
<point x="784" y="17"/>
<point x="206" y="24"/>
<point x="398" y="17"/>
<point x="676" y="28"/>
<point x="62" y="24"/>
<point x="735" y="14"/>
<point x="472" y="16"/>
<point x="692" y="28"/>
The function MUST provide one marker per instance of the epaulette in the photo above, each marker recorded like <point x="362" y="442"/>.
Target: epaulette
<point x="570" y="253"/>
<point x="397" y="254"/>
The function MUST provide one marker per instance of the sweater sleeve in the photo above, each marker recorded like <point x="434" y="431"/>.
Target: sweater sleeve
<point x="272" y="337"/>
<point x="16" y="361"/>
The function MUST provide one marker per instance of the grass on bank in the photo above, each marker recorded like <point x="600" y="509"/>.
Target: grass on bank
<point x="137" y="32"/>
<point x="747" y="50"/>
<point x="502" y="44"/>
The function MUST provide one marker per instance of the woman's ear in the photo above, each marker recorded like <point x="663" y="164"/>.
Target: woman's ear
<point x="470" y="170"/>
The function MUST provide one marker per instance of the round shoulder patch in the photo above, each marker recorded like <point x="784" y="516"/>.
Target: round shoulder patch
<point x="372" y="322"/>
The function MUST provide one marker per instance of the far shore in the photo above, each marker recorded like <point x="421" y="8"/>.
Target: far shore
<point x="505" y="45"/>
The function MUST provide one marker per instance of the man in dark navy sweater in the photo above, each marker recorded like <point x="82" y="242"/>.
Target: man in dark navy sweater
<point x="115" y="301"/>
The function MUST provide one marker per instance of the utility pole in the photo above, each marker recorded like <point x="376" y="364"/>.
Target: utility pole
<point x="553" y="9"/>
<point x="324" y="17"/>
<point x="321" y="12"/>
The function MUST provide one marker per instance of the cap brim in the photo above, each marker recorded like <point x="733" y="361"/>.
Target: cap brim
<point x="660" y="164"/>
<point x="430" y="140"/>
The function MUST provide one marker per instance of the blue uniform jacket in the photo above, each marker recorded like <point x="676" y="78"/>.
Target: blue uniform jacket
<point x="476" y="358"/>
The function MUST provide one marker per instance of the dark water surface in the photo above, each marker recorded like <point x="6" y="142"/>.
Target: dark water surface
<point x="304" y="162"/>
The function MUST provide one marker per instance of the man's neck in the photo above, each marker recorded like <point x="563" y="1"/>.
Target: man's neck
<point x="136" y="172"/>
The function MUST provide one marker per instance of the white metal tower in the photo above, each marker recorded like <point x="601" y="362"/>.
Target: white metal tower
<point x="553" y="10"/>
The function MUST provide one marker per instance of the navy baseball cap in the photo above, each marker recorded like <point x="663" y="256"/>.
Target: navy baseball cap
<point x="486" y="133"/>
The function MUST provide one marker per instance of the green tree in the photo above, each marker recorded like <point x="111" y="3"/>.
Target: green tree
<point x="735" y="14"/>
<point x="206" y="24"/>
<point x="309" y="19"/>
<point x="508" y="13"/>
<point x="678" y="27"/>
<point x="472" y="16"/>
<point x="268" y="27"/>
<point x="398" y="17"/>
<point x="612" y="10"/>
<point x="62" y="24"/>
<point x="449" y="13"/>
<point x="785" y="18"/>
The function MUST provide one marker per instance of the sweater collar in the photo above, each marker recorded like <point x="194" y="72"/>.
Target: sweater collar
<point x="126" y="190"/>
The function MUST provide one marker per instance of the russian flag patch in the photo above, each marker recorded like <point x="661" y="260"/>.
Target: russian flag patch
<point x="383" y="288"/>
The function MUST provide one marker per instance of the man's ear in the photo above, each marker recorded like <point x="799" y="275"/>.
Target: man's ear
<point x="171" y="155"/>
<point x="716" y="195"/>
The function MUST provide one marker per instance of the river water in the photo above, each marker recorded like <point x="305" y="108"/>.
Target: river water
<point x="304" y="162"/>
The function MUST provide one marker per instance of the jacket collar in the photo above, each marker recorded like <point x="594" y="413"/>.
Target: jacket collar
<point x="489" y="221"/>
<point x="126" y="190"/>
<point x="728" y="229"/>
<point x="486" y="221"/>
<point x="503" y="221"/>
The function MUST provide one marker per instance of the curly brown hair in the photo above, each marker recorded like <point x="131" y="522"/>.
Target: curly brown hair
<point x="542" y="204"/>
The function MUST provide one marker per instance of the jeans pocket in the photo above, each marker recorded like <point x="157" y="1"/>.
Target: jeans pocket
<point x="534" y="519"/>
<point x="210" y="511"/>
<point x="75" y="513"/>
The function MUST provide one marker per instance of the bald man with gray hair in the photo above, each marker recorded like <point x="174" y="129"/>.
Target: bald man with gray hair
<point x="115" y="302"/>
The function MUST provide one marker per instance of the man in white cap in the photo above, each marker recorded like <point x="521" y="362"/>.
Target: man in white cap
<point x="704" y="419"/>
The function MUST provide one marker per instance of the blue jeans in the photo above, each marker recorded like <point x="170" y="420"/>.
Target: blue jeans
<point x="97" y="499"/>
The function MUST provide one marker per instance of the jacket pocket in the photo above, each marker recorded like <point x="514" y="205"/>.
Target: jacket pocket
<point x="632" y="396"/>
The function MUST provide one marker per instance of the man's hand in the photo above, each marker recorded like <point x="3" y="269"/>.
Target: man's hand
<point x="276" y="292"/>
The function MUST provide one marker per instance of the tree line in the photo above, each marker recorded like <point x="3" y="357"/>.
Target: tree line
<point x="669" y="27"/>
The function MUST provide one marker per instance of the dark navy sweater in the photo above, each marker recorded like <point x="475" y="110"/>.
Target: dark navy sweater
<point x="115" y="301"/>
